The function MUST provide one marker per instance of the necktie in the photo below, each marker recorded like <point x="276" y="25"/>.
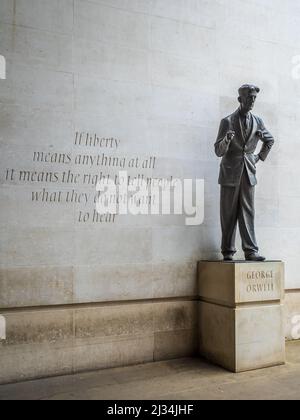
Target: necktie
<point x="246" y="123"/>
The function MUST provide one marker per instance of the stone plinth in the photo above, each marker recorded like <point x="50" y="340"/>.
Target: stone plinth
<point x="241" y="318"/>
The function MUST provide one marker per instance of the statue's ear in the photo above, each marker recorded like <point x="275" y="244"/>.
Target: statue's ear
<point x="240" y="99"/>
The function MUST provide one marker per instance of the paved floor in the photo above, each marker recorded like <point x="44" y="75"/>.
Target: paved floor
<point x="186" y="379"/>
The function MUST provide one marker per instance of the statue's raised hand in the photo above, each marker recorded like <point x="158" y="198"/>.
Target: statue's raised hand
<point x="230" y="136"/>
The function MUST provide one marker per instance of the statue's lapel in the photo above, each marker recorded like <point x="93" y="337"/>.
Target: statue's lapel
<point x="238" y="127"/>
<point x="254" y="128"/>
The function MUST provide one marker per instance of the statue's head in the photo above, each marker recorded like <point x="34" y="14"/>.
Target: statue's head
<point x="247" y="97"/>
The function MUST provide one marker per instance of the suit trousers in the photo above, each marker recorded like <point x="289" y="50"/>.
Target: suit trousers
<point x="237" y="207"/>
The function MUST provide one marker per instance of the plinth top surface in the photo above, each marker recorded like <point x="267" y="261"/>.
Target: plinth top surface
<point x="240" y="262"/>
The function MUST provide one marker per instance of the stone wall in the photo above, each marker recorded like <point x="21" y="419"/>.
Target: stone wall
<point x="155" y="77"/>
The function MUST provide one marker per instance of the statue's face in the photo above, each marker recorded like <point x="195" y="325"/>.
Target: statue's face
<point x="248" y="101"/>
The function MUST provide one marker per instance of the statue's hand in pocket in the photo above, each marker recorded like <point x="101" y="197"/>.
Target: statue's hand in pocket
<point x="256" y="158"/>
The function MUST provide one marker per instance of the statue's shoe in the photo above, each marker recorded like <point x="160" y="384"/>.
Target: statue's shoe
<point x="255" y="258"/>
<point x="228" y="257"/>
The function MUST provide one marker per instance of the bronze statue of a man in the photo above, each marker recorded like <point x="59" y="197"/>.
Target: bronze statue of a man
<point x="237" y="141"/>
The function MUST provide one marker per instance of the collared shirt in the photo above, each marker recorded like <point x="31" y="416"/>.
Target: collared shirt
<point x="246" y="121"/>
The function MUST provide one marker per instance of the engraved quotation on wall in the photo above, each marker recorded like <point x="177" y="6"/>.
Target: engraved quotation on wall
<point x="71" y="177"/>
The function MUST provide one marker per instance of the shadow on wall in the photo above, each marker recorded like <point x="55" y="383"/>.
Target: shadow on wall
<point x="2" y="67"/>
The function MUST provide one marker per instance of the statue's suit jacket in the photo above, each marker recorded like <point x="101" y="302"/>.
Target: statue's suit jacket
<point x="239" y="154"/>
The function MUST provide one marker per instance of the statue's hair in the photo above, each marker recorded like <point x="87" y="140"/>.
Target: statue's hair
<point x="248" y="88"/>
